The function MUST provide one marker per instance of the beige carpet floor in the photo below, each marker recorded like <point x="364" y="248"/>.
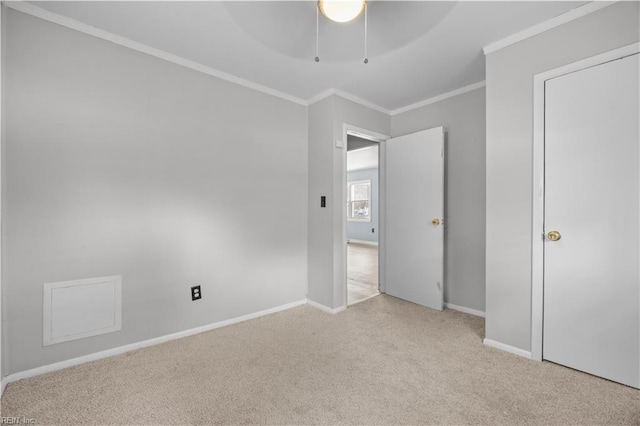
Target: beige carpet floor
<point x="383" y="361"/>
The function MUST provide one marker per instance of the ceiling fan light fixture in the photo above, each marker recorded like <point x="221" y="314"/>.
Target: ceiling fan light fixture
<point x="341" y="10"/>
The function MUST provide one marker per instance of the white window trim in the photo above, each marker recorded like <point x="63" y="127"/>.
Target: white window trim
<point x="359" y="182"/>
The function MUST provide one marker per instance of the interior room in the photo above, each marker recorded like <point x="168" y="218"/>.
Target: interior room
<point x="186" y="239"/>
<point x="362" y="219"/>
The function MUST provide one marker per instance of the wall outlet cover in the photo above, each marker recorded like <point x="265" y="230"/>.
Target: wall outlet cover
<point x="196" y="293"/>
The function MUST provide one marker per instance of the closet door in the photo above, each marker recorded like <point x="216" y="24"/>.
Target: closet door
<point x="592" y="221"/>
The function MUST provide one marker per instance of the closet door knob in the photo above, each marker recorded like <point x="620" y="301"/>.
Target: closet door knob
<point x="553" y="235"/>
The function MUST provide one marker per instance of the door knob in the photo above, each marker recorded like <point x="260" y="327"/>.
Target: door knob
<point x="553" y="235"/>
<point x="435" y="222"/>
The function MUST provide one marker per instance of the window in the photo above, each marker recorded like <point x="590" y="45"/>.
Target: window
<point x="359" y="201"/>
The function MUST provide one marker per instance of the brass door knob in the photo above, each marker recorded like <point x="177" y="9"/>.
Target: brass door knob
<point x="553" y="236"/>
<point x="435" y="222"/>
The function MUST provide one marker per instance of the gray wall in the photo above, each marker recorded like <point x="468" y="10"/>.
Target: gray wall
<point x="362" y="230"/>
<point x="510" y="74"/>
<point x="321" y="148"/>
<point x="121" y="163"/>
<point x="327" y="252"/>
<point x="463" y="118"/>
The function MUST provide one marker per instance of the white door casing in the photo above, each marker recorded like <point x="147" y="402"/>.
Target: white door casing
<point x="591" y="299"/>
<point x="414" y="244"/>
<point x="380" y="139"/>
<point x="537" y="189"/>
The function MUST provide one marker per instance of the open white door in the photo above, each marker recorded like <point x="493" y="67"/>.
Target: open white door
<point x="414" y="217"/>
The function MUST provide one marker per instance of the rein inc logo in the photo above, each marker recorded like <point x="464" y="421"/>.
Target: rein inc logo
<point x="17" y="421"/>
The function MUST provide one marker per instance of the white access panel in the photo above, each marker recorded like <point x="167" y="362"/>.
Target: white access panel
<point x="81" y="308"/>
<point x="592" y="198"/>
<point x="414" y="217"/>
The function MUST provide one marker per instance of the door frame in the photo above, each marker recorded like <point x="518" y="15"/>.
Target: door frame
<point x="380" y="139"/>
<point x="537" y="191"/>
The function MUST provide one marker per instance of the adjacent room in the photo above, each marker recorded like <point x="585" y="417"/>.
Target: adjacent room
<point x="320" y="212"/>
<point x="362" y="218"/>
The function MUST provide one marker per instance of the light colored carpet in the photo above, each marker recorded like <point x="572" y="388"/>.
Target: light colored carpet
<point x="383" y="361"/>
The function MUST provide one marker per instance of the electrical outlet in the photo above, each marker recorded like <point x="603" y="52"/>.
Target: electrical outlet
<point x="196" y="293"/>
<point x="373" y="230"/>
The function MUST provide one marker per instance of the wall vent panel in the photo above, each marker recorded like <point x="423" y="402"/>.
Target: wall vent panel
<point x="81" y="308"/>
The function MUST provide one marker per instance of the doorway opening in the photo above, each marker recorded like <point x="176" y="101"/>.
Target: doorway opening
<point x="363" y="218"/>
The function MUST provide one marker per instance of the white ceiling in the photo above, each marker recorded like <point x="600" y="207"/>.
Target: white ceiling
<point x="417" y="49"/>
<point x="363" y="158"/>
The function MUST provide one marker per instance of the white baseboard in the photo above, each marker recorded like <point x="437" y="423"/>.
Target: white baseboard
<point x="371" y="243"/>
<point x="507" y="348"/>
<point x="139" y="345"/>
<point x="4" y="385"/>
<point x="464" y="309"/>
<point x="325" y="308"/>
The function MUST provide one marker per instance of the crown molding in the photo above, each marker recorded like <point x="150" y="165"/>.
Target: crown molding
<point x="46" y="15"/>
<point x="320" y="96"/>
<point x="348" y="96"/>
<point x="41" y="13"/>
<point x="439" y="98"/>
<point x="363" y="102"/>
<point x="556" y="21"/>
<point x="49" y="16"/>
